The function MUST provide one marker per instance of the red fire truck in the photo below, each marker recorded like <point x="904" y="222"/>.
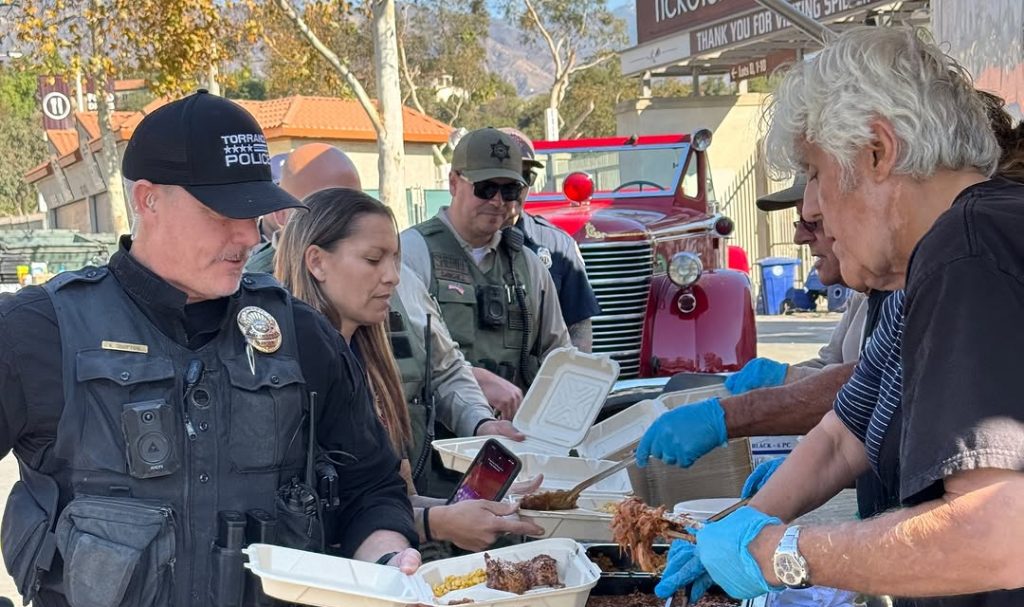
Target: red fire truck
<point x="643" y="212"/>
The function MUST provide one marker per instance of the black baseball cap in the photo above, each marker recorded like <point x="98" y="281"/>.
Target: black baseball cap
<point x="784" y="199"/>
<point x="212" y="148"/>
<point x="488" y="154"/>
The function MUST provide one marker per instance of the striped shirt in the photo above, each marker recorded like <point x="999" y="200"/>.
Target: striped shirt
<point x="866" y="403"/>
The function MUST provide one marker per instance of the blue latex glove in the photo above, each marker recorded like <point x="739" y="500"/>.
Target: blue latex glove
<point x="722" y="549"/>
<point x="682" y="435"/>
<point x="683" y="567"/>
<point x="760" y="476"/>
<point x="758" y="373"/>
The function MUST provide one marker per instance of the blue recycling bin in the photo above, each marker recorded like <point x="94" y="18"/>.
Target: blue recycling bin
<point x="778" y="275"/>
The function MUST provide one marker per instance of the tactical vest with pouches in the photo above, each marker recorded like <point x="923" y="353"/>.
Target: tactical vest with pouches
<point x="459" y="286"/>
<point x="142" y="469"/>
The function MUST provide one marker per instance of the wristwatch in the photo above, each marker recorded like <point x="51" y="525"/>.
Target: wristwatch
<point x="790" y="567"/>
<point x="385" y="558"/>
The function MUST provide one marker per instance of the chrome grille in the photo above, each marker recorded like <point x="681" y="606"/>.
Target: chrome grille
<point x="620" y="274"/>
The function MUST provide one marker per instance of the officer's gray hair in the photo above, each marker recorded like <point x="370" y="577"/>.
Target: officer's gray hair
<point x="868" y="73"/>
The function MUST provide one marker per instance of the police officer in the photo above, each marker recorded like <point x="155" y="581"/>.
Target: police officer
<point x="558" y="251"/>
<point x="496" y="295"/>
<point x="308" y="164"/>
<point x="459" y="407"/>
<point x="160" y="407"/>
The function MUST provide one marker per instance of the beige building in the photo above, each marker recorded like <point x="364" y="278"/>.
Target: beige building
<point x="73" y="183"/>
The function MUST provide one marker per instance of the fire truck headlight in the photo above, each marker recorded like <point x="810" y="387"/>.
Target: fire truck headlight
<point x="685" y="268"/>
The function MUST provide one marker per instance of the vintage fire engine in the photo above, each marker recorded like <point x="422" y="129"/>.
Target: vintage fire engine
<point x="643" y="212"/>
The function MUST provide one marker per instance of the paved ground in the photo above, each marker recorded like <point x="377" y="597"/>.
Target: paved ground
<point x="785" y="338"/>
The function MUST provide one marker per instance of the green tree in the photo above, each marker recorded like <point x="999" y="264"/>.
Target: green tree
<point x="592" y="98"/>
<point x="243" y="84"/>
<point x="177" y="41"/>
<point x="578" y="35"/>
<point x="21" y="143"/>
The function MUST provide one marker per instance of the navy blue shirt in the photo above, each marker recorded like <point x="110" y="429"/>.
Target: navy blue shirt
<point x="561" y="255"/>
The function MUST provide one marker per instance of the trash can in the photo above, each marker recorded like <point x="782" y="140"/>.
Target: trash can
<point x="778" y="274"/>
<point x="837" y="296"/>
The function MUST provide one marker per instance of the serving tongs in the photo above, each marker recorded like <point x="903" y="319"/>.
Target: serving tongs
<point x="683" y="535"/>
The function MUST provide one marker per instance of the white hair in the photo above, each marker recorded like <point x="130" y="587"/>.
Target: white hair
<point x="868" y="73"/>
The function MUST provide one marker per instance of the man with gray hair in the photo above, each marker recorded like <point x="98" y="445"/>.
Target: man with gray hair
<point x="896" y="139"/>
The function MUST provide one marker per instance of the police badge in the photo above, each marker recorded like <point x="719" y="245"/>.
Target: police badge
<point x="261" y="332"/>
<point x="545" y="256"/>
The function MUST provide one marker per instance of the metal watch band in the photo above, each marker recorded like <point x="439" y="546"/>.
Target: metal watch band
<point x="790" y="567"/>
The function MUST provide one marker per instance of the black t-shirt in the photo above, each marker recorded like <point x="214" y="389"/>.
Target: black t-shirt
<point x="962" y="335"/>
<point x="32" y="394"/>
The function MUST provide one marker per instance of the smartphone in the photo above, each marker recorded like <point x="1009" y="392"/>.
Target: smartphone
<point x="489" y="476"/>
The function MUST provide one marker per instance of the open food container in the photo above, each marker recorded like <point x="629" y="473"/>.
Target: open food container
<point x="590" y="520"/>
<point x="557" y="412"/>
<point x="308" y="578"/>
<point x="671" y="400"/>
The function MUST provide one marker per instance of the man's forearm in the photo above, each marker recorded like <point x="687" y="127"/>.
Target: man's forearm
<point x="824" y="462"/>
<point x="379" y="543"/>
<point x="969" y="543"/>
<point x="582" y="335"/>
<point x="789" y="409"/>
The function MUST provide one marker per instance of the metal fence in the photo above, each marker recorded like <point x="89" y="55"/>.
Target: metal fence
<point x="759" y="233"/>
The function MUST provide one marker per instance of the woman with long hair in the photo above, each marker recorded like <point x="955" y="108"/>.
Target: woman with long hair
<point x="342" y="257"/>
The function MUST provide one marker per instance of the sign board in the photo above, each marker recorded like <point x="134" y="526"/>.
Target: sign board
<point x="760" y="66"/>
<point x="58" y="102"/>
<point x="55" y="98"/>
<point x="760" y="23"/>
<point x="657" y="18"/>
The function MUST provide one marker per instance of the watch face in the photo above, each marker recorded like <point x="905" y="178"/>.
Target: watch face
<point x="789" y="569"/>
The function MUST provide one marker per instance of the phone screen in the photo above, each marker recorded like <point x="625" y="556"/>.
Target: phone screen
<point x="489" y="476"/>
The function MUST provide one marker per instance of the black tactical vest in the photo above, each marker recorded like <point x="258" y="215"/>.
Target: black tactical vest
<point x="145" y="460"/>
<point x="482" y="310"/>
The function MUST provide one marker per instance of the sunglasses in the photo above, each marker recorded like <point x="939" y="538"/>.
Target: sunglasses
<point x="485" y="190"/>
<point x="810" y="226"/>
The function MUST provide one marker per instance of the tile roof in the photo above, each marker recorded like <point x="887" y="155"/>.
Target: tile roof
<point x="64" y="140"/>
<point x="297" y="116"/>
<point x="134" y="84"/>
<point x="333" y="118"/>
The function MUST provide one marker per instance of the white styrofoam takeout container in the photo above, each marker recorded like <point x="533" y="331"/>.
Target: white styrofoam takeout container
<point x="671" y="400"/>
<point x="703" y="509"/>
<point x="588" y="521"/>
<point x="309" y="578"/>
<point x="558" y="414"/>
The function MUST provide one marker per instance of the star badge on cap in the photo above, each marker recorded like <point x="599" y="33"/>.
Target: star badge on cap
<point x="499" y="150"/>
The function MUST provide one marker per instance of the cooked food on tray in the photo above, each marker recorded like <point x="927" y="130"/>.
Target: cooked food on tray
<point x="638" y="599"/>
<point x="637" y="526"/>
<point x="548" y="500"/>
<point x="510" y="576"/>
<point x="458" y="582"/>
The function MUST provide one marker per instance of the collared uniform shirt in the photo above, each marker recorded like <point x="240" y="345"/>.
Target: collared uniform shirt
<point x="461" y="405"/>
<point x="562" y="255"/>
<point x="553" y="331"/>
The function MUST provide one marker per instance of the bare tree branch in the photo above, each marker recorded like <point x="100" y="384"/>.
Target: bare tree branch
<point x="573" y="131"/>
<point x="404" y="63"/>
<point x="555" y="54"/>
<point x="594" y="63"/>
<point x="341" y="67"/>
